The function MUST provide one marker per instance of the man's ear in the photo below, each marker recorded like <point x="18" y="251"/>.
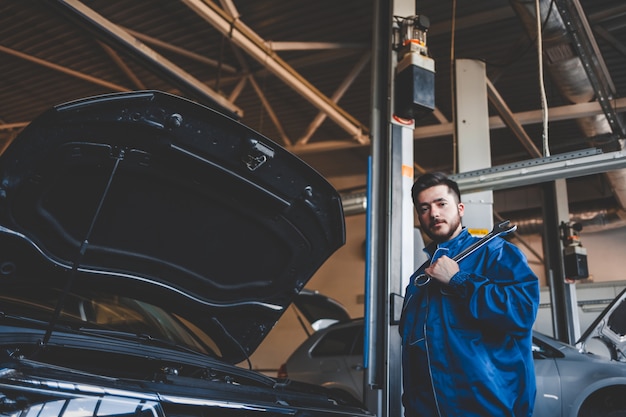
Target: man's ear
<point x="461" y="207"/>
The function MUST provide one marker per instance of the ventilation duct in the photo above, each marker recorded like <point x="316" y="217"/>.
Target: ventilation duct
<point x="568" y="74"/>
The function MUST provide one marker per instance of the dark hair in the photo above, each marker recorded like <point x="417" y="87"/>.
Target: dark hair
<point x="430" y="180"/>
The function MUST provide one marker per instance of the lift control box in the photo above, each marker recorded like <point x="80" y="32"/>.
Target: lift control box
<point x="575" y="262"/>
<point x="415" y="86"/>
<point x="414" y="92"/>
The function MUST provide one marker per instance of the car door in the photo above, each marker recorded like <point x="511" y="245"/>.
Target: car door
<point x="548" y="401"/>
<point x="339" y="354"/>
<point x="354" y="361"/>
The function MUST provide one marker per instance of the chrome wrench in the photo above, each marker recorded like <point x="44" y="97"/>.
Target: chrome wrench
<point x="500" y="229"/>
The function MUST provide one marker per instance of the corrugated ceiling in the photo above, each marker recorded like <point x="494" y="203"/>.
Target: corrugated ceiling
<point x="48" y="55"/>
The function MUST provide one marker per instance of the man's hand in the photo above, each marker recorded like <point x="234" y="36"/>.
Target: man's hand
<point x="443" y="269"/>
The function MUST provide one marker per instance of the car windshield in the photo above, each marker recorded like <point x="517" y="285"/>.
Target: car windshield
<point x="106" y="314"/>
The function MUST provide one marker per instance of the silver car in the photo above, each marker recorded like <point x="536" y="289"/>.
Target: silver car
<point x="584" y="381"/>
<point x="331" y="357"/>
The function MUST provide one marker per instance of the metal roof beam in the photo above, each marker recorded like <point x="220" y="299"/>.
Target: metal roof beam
<point x="257" y="48"/>
<point x="182" y="52"/>
<point x="509" y="119"/>
<point x="115" y="36"/>
<point x="567" y="112"/>
<point x="62" y="69"/>
<point x="308" y="46"/>
<point x="570" y="111"/>
<point x="347" y="82"/>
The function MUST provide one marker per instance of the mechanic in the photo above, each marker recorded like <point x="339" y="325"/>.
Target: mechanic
<point x="467" y="328"/>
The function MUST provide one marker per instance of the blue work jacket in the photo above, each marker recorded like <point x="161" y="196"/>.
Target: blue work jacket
<point x="467" y="346"/>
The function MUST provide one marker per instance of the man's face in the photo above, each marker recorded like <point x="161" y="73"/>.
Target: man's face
<point x="439" y="213"/>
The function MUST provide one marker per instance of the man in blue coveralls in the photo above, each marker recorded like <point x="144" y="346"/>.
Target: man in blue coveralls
<point x="467" y="332"/>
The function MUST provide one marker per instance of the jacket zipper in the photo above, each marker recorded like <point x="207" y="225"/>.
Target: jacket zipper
<point x="430" y="371"/>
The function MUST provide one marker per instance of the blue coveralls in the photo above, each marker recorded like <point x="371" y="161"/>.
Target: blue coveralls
<point x="467" y="346"/>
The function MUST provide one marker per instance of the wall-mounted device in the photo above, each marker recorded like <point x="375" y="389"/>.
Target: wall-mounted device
<point x="574" y="255"/>
<point x="414" y="90"/>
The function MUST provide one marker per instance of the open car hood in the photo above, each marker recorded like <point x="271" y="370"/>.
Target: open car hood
<point x="607" y="334"/>
<point x="159" y="197"/>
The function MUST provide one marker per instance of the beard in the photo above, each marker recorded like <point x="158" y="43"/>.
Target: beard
<point x="442" y="233"/>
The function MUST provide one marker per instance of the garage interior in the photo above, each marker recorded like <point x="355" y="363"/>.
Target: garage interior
<point x="302" y="74"/>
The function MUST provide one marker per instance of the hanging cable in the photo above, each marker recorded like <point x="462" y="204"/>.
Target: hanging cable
<point x="542" y="88"/>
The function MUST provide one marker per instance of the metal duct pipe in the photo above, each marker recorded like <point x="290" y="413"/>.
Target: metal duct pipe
<point x="592" y="221"/>
<point x="569" y="76"/>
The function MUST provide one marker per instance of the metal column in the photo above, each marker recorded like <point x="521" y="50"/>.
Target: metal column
<point x="474" y="150"/>
<point x="390" y="222"/>
<point x="565" y="319"/>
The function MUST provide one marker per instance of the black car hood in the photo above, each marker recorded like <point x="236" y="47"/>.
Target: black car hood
<point x="168" y="201"/>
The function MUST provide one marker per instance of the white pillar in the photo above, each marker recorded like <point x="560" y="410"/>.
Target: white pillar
<point x="474" y="150"/>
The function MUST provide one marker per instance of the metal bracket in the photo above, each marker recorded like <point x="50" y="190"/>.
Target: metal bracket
<point x="534" y="171"/>
<point x="257" y="154"/>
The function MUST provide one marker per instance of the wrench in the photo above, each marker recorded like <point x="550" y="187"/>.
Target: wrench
<point x="500" y="229"/>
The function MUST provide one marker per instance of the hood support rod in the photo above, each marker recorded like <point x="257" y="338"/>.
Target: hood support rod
<point x="83" y="248"/>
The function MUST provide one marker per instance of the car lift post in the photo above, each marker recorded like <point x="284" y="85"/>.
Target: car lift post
<point x="390" y="215"/>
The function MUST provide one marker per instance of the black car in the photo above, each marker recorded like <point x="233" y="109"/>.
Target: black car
<point x="148" y="244"/>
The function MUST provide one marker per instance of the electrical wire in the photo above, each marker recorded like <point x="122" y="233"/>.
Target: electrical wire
<point x="542" y="87"/>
